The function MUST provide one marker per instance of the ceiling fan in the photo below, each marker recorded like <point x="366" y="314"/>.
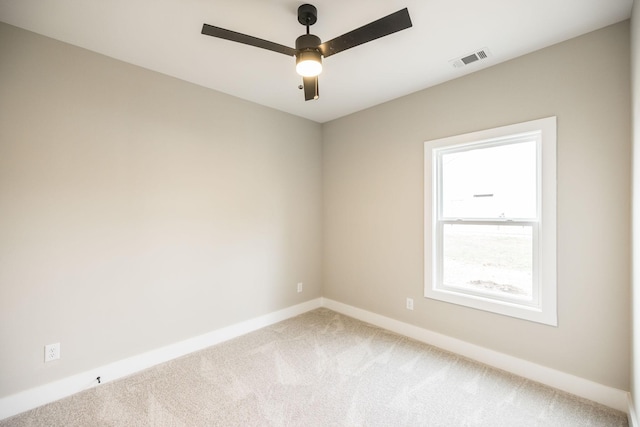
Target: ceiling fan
<point x="309" y="48"/>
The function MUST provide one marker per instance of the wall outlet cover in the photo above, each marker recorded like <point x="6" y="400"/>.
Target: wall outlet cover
<point x="52" y="352"/>
<point x="409" y="303"/>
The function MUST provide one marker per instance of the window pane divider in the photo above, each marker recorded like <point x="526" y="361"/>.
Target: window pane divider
<point x="513" y="222"/>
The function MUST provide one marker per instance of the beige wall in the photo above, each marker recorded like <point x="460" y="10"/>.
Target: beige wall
<point x="373" y="202"/>
<point x="137" y="210"/>
<point x="635" y="118"/>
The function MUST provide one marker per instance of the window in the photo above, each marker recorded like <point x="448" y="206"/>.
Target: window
<point x="490" y="220"/>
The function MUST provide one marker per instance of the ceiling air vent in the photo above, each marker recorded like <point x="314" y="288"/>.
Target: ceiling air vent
<point x="470" y="58"/>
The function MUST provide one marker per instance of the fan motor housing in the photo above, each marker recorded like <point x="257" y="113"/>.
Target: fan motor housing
<point x="307" y="41"/>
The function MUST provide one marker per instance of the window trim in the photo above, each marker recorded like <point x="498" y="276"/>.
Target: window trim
<point x="545" y="310"/>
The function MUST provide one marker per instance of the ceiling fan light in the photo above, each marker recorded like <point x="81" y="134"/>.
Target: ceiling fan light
<point x="309" y="63"/>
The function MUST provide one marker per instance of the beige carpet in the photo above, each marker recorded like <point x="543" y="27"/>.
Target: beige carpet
<point x="321" y="369"/>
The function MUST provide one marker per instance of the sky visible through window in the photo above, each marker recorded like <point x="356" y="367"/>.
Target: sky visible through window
<point x="494" y="182"/>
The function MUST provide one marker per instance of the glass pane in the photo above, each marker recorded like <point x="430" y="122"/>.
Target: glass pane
<point x="492" y="182"/>
<point x="489" y="259"/>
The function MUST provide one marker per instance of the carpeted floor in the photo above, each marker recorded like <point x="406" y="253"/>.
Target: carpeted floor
<point x="321" y="369"/>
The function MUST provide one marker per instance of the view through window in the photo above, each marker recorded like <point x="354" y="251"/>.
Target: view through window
<point x="487" y="216"/>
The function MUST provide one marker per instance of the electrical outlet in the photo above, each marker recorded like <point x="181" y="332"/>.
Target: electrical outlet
<point x="409" y="303"/>
<point x="299" y="287"/>
<point x="52" y="352"/>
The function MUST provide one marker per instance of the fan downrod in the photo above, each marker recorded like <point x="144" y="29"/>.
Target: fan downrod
<point x="307" y="14"/>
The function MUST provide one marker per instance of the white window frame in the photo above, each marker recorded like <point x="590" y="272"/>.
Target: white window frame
<point x="543" y="307"/>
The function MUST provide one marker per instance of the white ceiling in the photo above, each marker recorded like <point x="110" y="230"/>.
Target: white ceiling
<point x="164" y="36"/>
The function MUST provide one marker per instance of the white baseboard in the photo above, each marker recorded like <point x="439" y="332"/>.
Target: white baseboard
<point x="38" y="396"/>
<point x="631" y="413"/>
<point x="587" y="389"/>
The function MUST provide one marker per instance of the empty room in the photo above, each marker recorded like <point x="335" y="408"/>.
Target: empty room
<point x="349" y="214"/>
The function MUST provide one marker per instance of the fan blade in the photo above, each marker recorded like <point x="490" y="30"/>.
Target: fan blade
<point x="310" y="88"/>
<point x="221" y="33"/>
<point x="390" y="24"/>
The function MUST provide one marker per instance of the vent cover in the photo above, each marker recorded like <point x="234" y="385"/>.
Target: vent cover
<point x="470" y="58"/>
